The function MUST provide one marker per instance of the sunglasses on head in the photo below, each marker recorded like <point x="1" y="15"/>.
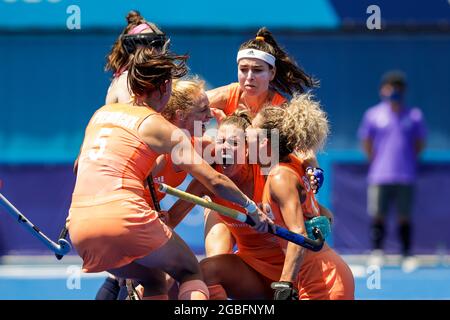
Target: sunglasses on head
<point x="151" y="40"/>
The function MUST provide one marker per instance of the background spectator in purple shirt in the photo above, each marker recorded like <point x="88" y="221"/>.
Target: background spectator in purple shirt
<point x="392" y="136"/>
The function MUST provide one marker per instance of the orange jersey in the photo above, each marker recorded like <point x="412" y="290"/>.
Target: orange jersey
<point x="113" y="156"/>
<point x="261" y="251"/>
<point x="310" y="207"/>
<point x="323" y="275"/>
<point x="234" y="94"/>
<point x="170" y="174"/>
<point x="110" y="221"/>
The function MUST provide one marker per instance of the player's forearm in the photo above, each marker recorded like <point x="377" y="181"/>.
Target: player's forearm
<point x="420" y="145"/>
<point x="178" y="212"/>
<point x="222" y="186"/>
<point x="326" y="213"/>
<point x="292" y="262"/>
<point x="181" y="208"/>
<point x="367" y="147"/>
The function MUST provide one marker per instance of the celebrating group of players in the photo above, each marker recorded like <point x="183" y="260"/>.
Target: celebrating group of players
<point x="114" y="222"/>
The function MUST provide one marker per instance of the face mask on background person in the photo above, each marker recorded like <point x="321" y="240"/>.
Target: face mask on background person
<point x="396" y="96"/>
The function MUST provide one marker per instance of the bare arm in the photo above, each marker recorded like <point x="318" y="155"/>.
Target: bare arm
<point x="118" y="90"/>
<point x="368" y="148"/>
<point x="218" y="101"/>
<point x="218" y="239"/>
<point x="181" y="208"/>
<point x="218" y="97"/>
<point x="419" y="146"/>
<point x="326" y="213"/>
<point x="75" y="165"/>
<point x="284" y="189"/>
<point x="161" y="162"/>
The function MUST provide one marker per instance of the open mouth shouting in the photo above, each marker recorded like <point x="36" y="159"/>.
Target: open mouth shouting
<point x="227" y="160"/>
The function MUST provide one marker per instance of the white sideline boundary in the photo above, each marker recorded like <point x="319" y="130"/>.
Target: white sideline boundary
<point x="47" y="267"/>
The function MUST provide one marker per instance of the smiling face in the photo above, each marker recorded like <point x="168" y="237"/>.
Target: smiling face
<point x="254" y="76"/>
<point x="231" y="146"/>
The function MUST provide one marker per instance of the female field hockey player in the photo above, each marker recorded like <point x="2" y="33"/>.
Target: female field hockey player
<point x="138" y="32"/>
<point x="319" y="275"/>
<point x="187" y="105"/>
<point x="266" y="75"/>
<point x="259" y="259"/>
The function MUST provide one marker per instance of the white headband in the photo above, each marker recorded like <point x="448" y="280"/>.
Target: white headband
<point x="256" y="54"/>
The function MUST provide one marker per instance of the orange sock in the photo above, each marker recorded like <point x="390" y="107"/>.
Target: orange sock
<point x="193" y="290"/>
<point x="217" y="292"/>
<point x="159" y="297"/>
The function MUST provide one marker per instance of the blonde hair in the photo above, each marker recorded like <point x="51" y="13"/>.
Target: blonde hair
<point x="302" y="124"/>
<point x="185" y="93"/>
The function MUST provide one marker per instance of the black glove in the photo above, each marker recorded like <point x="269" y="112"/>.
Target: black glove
<point x="284" y="290"/>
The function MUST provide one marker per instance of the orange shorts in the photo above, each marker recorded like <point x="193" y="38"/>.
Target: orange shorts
<point x="324" y="275"/>
<point x="113" y="230"/>
<point x="265" y="262"/>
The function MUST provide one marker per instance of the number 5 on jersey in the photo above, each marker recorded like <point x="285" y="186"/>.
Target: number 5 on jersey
<point x="99" y="144"/>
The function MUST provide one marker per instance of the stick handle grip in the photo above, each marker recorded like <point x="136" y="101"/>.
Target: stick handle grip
<point x="62" y="236"/>
<point x="151" y="187"/>
<point x="314" y="245"/>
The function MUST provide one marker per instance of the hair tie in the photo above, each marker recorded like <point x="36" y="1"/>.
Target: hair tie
<point x="260" y="38"/>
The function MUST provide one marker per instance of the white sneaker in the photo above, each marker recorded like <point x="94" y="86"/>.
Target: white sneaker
<point x="376" y="258"/>
<point x="409" y="264"/>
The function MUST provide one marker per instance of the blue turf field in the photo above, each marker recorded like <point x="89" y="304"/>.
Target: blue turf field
<point x="50" y="282"/>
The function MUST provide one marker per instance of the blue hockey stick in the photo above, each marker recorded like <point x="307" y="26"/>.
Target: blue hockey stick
<point x="63" y="246"/>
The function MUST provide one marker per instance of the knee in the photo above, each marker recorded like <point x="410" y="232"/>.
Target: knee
<point x="185" y="270"/>
<point x="151" y="287"/>
<point x="211" y="270"/>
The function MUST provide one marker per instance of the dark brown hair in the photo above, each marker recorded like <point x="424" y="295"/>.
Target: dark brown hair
<point x="149" y="69"/>
<point x="118" y="57"/>
<point x="289" y="77"/>
<point x="394" y="78"/>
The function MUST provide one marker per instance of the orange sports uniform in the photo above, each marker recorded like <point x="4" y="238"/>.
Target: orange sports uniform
<point x="261" y="251"/>
<point x="110" y="220"/>
<point x="234" y="94"/>
<point x="172" y="175"/>
<point x="323" y="275"/>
